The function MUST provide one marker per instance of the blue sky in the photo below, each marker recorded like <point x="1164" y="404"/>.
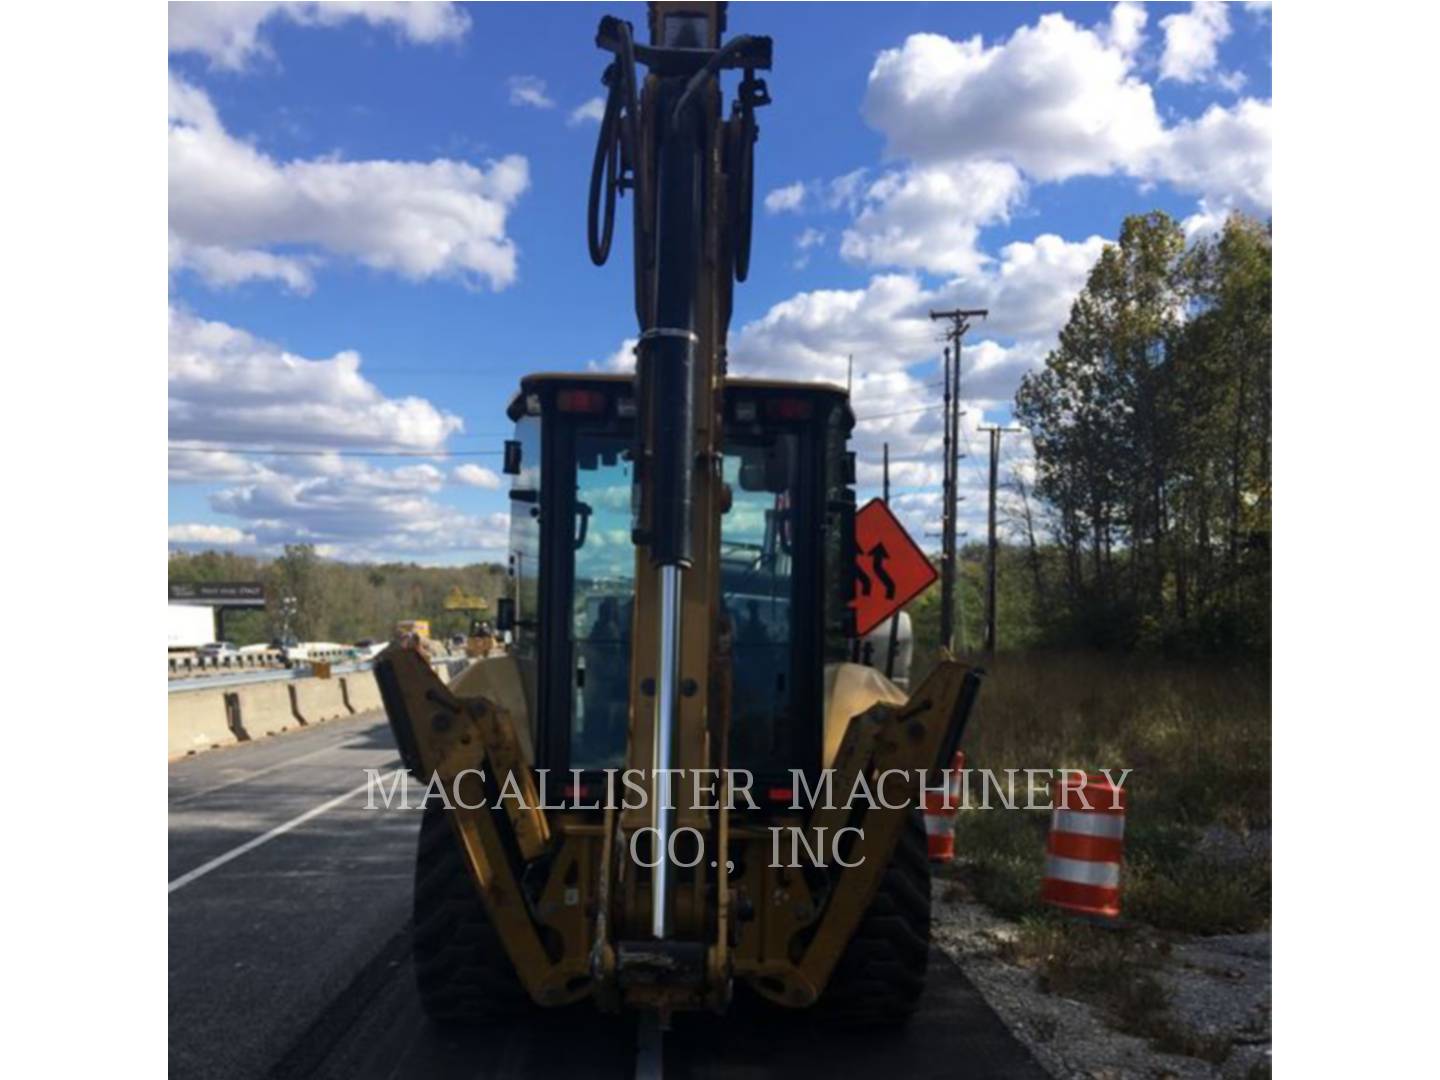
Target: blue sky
<point x="377" y="217"/>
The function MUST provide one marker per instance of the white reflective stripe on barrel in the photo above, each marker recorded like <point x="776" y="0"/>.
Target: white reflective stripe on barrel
<point x="937" y="824"/>
<point x="1078" y="872"/>
<point x="1083" y="824"/>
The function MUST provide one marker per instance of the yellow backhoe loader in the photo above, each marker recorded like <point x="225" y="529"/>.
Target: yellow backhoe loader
<point x="682" y="545"/>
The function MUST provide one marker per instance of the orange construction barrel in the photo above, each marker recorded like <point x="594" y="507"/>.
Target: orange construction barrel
<point x="1086" y="846"/>
<point x="940" y="811"/>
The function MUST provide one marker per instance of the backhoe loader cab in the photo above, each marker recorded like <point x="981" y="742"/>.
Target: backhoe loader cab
<point x="785" y="574"/>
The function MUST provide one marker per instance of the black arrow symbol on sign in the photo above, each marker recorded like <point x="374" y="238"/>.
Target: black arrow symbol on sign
<point x="878" y="555"/>
<point x="864" y="580"/>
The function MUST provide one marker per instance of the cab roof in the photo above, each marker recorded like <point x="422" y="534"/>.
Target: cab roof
<point x="605" y="379"/>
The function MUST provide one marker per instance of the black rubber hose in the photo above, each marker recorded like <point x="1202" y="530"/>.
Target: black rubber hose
<point x="712" y="65"/>
<point x="603" y="171"/>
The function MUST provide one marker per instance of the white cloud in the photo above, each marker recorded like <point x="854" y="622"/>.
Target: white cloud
<point x="529" y="90"/>
<point x="347" y="507"/>
<point x="1206" y="221"/>
<point x="592" y="111"/>
<point x="1224" y="156"/>
<point x="991" y="372"/>
<point x="787" y="199"/>
<point x="1127" y="26"/>
<point x="355" y="510"/>
<point x="810" y="335"/>
<point x="229" y="202"/>
<point x="228" y="34"/>
<point x="810" y="238"/>
<point x="929" y="217"/>
<point x="209" y="535"/>
<point x="1056" y="100"/>
<point x="222" y="267"/>
<point x="229" y="387"/>
<point x="1192" y="41"/>
<point x="844" y="192"/>
<point x="208" y="466"/>
<point x="886" y="325"/>
<point x="621" y="360"/>
<point x="1030" y="289"/>
<point x="477" y="476"/>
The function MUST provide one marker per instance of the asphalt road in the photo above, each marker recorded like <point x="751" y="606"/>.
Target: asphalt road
<point x="289" y="951"/>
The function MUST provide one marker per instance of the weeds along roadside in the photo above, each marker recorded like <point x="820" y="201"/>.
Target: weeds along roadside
<point x="1197" y="853"/>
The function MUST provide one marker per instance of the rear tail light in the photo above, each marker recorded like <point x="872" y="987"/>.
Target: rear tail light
<point x="788" y="409"/>
<point x="580" y="401"/>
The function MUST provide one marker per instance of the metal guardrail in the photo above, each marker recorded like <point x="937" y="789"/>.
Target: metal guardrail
<point x="299" y="671"/>
<point x="250" y="678"/>
<point x="190" y="665"/>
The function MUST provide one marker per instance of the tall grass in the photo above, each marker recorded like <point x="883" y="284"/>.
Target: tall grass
<point x="1197" y="737"/>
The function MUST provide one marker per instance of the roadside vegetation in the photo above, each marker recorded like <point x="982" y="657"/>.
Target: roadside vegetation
<point x="1197" y="852"/>
<point x="1134" y="619"/>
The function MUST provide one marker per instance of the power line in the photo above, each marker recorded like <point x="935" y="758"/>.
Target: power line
<point x="902" y="412"/>
<point x="467" y="373"/>
<point x="257" y="451"/>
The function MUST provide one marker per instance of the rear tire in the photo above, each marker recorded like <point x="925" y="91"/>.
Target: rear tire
<point x="881" y="975"/>
<point x="462" y="970"/>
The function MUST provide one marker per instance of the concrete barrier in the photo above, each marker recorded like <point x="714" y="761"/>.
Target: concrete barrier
<point x="266" y="709"/>
<point x="198" y="721"/>
<point x="361" y="691"/>
<point x="318" y="700"/>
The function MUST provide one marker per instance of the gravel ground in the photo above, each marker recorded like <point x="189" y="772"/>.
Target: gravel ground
<point x="1218" y="986"/>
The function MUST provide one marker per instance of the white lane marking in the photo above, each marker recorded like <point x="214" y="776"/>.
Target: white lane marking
<point x="261" y="772"/>
<point x="250" y="845"/>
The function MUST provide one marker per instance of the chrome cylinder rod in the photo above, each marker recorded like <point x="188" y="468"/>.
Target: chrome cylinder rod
<point x="667" y="703"/>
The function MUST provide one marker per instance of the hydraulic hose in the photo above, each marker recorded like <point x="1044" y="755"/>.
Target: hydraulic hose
<point x="617" y="163"/>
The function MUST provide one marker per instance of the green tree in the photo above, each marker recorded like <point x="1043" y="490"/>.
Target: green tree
<point x="1151" y="422"/>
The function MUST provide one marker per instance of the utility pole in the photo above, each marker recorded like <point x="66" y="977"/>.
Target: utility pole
<point x="891" y="646"/>
<point x="947" y="527"/>
<point x="994" y="433"/>
<point x="959" y="323"/>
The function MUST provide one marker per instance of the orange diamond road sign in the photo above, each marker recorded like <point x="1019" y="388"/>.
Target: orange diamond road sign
<point x="890" y="568"/>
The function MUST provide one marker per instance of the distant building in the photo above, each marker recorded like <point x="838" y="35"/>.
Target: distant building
<point x="188" y="626"/>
